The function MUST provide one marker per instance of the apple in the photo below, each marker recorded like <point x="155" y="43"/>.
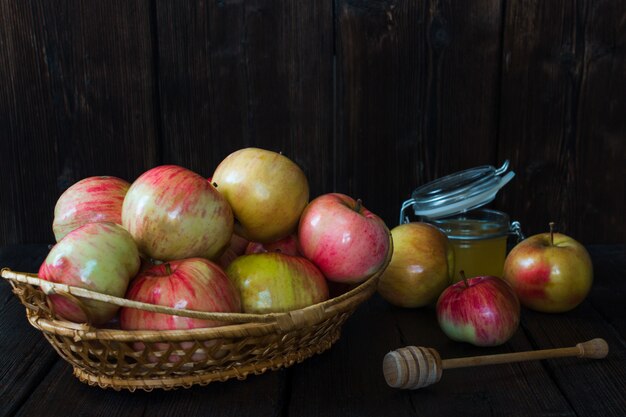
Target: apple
<point x="347" y="242"/>
<point x="174" y="213"/>
<point x="287" y="245"/>
<point x="97" y="256"/>
<point x="550" y="272"/>
<point x="421" y="267"/>
<point x="273" y="282"/>
<point x="266" y="190"/>
<point x="192" y="284"/>
<point x="90" y="200"/>
<point x="483" y="311"/>
<point x="237" y="247"/>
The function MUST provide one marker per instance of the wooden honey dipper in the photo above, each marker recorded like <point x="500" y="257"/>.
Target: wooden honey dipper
<point x="414" y="367"/>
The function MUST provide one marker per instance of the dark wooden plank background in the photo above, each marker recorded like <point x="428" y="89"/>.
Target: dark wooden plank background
<point x="372" y="98"/>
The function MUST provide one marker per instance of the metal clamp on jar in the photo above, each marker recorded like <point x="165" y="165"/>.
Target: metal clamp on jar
<point x="453" y="203"/>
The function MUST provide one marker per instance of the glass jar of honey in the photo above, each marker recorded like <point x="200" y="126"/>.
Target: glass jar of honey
<point x="453" y="204"/>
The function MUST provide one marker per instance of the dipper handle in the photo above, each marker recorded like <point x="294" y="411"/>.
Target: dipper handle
<point x="416" y="367"/>
<point x="595" y="348"/>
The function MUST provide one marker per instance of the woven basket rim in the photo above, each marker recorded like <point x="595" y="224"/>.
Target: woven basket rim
<point x="236" y="324"/>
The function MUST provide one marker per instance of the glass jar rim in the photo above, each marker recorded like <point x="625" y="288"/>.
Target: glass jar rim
<point x="474" y="224"/>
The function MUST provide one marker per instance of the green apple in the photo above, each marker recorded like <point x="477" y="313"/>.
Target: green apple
<point x="274" y="282"/>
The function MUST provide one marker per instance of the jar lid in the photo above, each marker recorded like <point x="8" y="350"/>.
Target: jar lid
<point x="458" y="192"/>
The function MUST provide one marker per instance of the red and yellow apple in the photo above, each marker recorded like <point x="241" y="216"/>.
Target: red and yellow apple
<point x="174" y="213"/>
<point x="483" y="311"/>
<point x="287" y="245"/>
<point x="550" y="272"/>
<point x="421" y="266"/>
<point x="236" y="247"/>
<point x="90" y="200"/>
<point x="266" y="190"/>
<point x="100" y="257"/>
<point x="346" y="241"/>
<point x="273" y="282"/>
<point x="192" y="284"/>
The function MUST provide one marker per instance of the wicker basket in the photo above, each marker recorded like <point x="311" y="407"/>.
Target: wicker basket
<point x="145" y="359"/>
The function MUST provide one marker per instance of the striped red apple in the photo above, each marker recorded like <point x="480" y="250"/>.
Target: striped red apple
<point x="90" y="200"/>
<point x="287" y="245"/>
<point x="193" y="284"/>
<point x="97" y="256"/>
<point x="346" y="241"/>
<point x="174" y="213"/>
<point x="483" y="311"/>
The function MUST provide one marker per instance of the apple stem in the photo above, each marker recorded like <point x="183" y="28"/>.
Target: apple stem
<point x="464" y="278"/>
<point x="168" y="268"/>
<point x="358" y="206"/>
<point x="551" y="224"/>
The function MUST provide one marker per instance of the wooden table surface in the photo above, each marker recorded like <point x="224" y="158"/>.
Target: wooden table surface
<point x="347" y="380"/>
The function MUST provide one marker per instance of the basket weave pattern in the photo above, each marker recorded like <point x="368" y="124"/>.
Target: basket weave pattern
<point x="146" y="359"/>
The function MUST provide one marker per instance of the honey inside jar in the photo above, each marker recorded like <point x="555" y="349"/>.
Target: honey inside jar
<point x="479" y="239"/>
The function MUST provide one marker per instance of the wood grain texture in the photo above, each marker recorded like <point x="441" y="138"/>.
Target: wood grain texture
<point x="79" y="102"/>
<point x="513" y="389"/>
<point x="60" y="393"/>
<point x="25" y="355"/>
<point x="605" y="380"/>
<point x="601" y="315"/>
<point x="560" y="116"/>
<point x="27" y="180"/>
<point x="417" y="95"/>
<point x="600" y="169"/>
<point x="609" y="288"/>
<point x="348" y="379"/>
<point x="234" y="74"/>
<point x="372" y="98"/>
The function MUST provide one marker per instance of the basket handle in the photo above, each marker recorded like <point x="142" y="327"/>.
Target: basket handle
<point x="285" y="321"/>
<point x="49" y="288"/>
<point x="75" y="300"/>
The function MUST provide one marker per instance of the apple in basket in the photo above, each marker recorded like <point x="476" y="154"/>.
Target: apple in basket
<point x="90" y="200"/>
<point x="174" y="213"/>
<point x="287" y="245"/>
<point x="97" y="256"/>
<point x="347" y="242"/>
<point x="192" y="284"/>
<point x="237" y="247"/>
<point x="274" y="282"/>
<point x="266" y="190"/>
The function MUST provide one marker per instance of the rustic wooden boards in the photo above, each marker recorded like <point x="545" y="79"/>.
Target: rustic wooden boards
<point x="257" y="73"/>
<point x="417" y="95"/>
<point x="347" y="379"/>
<point x="371" y="98"/>
<point x="563" y="81"/>
<point x="76" y="99"/>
